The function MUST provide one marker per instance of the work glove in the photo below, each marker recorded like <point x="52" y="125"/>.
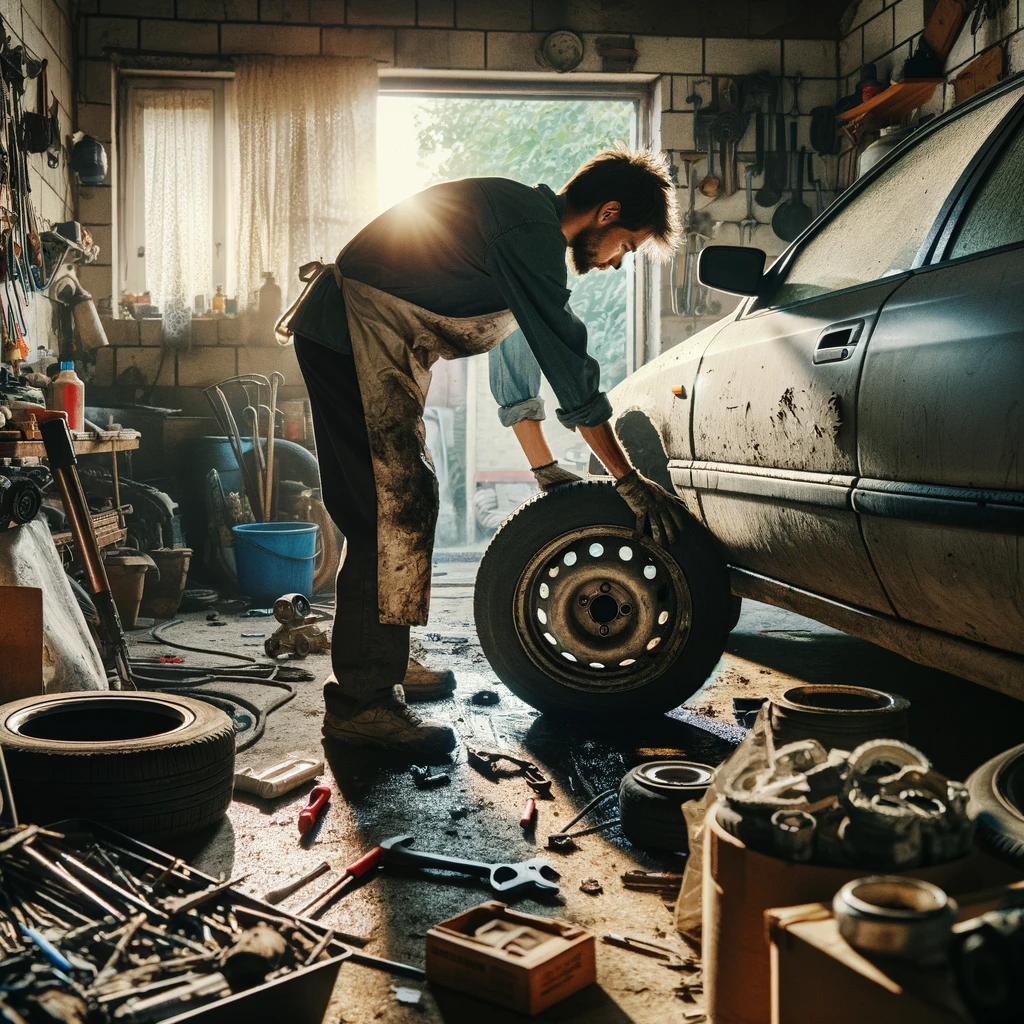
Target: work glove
<point x="553" y="475"/>
<point x="658" y="513"/>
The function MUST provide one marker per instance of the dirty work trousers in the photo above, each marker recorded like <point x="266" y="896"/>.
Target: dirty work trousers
<point x="368" y="658"/>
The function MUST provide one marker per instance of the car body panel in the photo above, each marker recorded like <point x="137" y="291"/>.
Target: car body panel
<point x="941" y="422"/>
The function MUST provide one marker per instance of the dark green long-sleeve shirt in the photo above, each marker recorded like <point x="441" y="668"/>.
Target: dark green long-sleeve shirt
<point x="466" y="248"/>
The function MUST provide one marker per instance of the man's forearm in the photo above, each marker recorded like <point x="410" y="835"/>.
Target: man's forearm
<point x="531" y="438"/>
<point x="605" y="445"/>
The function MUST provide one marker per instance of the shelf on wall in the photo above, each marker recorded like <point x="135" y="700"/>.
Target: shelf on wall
<point x="894" y="102"/>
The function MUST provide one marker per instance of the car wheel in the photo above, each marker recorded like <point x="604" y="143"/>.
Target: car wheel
<point x="154" y="766"/>
<point x="997" y="801"/>
<point x="576" y="614"/>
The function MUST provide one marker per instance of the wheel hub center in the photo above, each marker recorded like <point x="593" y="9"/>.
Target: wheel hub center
<point x="603" y="608"/>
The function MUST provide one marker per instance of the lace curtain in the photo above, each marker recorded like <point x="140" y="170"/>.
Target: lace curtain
<point x="174" y="130"/>
<point x="306" y="169"/>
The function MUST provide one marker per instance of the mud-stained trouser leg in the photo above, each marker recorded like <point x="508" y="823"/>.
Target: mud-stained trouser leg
<point x="368" y="658"/>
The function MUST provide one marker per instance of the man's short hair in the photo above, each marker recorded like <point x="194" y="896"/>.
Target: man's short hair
<point x="640" y="182"/>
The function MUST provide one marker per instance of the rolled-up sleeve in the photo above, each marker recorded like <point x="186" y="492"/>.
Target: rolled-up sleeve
<point x="515" y="380"/>
<point x="528" y="263"/>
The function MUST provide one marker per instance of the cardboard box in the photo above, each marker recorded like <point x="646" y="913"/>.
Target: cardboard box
<point x="520" y="961"/>
<point x="740" y="885"/>
<point x="817" y="975"/>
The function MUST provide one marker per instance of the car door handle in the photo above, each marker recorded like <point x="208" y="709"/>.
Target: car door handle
<point x="838" y="341"/>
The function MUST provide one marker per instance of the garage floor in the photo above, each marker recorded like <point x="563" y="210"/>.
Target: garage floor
<point x="957" y="723"/>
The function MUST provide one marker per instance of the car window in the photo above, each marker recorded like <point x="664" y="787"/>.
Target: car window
<point x="995" y="216"/>
<point x="880" y="232"/>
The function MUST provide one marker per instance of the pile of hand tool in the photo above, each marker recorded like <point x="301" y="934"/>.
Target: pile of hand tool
<point x="105" y="929"/>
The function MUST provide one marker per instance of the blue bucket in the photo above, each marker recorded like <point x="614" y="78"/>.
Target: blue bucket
<point x="274" y="559"/>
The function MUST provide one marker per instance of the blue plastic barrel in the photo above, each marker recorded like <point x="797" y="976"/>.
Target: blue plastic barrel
<point x="274" y="559"/>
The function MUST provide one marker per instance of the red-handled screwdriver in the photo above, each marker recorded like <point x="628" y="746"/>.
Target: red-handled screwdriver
<point x="361" y="867"/>
<point x="310" y="814"/>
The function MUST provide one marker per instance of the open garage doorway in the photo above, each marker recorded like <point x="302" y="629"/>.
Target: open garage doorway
<point x="426" y="138"/>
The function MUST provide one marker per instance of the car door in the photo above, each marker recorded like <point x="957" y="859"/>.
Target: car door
<point x="941" y="417"/>
<point x="776" y="399"/>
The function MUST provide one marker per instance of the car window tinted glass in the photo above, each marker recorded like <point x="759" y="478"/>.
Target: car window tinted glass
<point x="881" y="230"/>
<point x="996" y="214"/>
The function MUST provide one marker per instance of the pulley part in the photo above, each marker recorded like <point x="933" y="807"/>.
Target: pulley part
<point x="894" y="916"/>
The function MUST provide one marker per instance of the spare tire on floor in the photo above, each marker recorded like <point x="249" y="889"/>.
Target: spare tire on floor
<point x="651" y="798"/>
<point x="154" y="766"/>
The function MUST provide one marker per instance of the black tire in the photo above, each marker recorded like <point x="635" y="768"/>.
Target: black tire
<point x="735" y="609"/>
<point x="693" y="565"/>
<point x="997" y="801"/>
<point x="154" y="766"/>
<point x="651" y="797"/>
<point x="838" y="715"/>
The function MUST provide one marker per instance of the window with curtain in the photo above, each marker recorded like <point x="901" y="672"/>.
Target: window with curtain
<point x="227" y="179"/>
<point x="306" y="175"/>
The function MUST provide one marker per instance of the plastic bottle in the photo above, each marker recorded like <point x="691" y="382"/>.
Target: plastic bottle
<point x="218" y="300"/>
<point x="67" y="392"/>
<point x="270" y="297"/>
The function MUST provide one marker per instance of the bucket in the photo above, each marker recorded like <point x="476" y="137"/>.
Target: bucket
<point x="274" y="559"/>
<point x="162" y="593"/>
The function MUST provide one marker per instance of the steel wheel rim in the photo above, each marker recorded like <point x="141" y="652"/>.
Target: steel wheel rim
<point x="597" y="609"/>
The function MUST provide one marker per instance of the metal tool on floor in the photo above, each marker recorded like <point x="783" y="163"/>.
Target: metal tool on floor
<point x="313" y="811"/>
<point x="487" y="762"/>
<point x="299" y="632"/>
<point x="60" y="451"/>
<point x="286" y="890"/>
<point x="564" y="840"/>
<point x="367" y="863"/>
<point x="535" y="875"/>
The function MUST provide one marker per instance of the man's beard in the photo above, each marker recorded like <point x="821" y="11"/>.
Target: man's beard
<point x="584" y="249"/>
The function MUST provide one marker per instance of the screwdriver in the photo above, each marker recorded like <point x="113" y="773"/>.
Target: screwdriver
<point x="361" y="867"/>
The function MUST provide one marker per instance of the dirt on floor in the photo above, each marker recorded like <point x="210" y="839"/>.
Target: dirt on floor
<point x="477" y="818"/>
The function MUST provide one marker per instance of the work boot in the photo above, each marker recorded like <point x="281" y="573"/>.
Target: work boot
<point x="422" y="683"/>
<point x="388" y="724"/>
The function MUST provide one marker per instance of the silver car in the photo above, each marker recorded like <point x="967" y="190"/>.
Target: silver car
<point x="850" y="442"/>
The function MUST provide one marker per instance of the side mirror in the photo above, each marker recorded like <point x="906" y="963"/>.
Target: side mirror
<point x="735" y="269"/>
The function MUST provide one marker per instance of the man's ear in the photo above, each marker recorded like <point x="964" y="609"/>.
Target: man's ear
<point x="608" y="213"/>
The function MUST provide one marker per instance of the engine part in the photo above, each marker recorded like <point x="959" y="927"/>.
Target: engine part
<point x="794" y="835"/>
<point x="838" y="716"/>
<point x="895" y="916"/>
<point x="20" y="501"/>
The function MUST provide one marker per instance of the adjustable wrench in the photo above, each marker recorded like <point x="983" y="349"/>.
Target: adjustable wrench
<point x="536" y="874"/>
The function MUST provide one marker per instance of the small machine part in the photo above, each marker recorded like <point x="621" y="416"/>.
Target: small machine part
<point x="20" y="500"/>
<point x="896" y="916"/>
<point x="280" y="778"/>
<point x="486" y="762"/>
<point x="298" y="633"/>
<point x="529" y="815"/>
<point x="794" y="835"/>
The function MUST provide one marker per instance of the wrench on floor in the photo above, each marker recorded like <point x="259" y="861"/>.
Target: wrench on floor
<point x="505" y="879"/>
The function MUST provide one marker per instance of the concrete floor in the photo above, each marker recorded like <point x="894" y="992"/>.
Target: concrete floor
<point x="957" y="723"/>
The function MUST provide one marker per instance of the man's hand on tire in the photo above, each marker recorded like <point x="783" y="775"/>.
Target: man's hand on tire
<point x="660" y="514"/>
<point x="553" y="475"/>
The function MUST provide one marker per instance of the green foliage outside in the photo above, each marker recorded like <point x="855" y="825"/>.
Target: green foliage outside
<point x="538" y="141"/>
